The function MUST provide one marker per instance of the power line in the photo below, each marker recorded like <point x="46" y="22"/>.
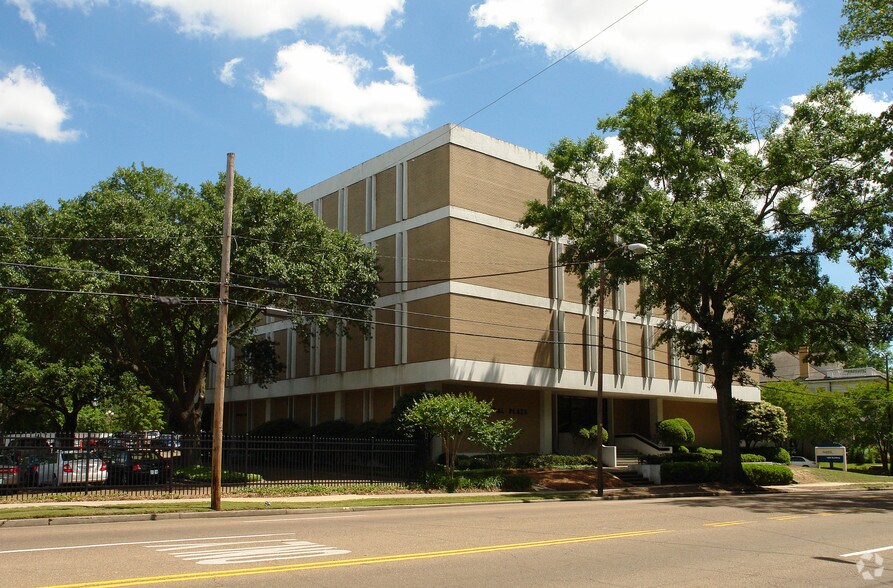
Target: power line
<point x="837" y="396"/>
<point x="105" y="273"/>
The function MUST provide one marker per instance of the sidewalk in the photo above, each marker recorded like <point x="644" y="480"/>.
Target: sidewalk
<point x="632" y="492"/>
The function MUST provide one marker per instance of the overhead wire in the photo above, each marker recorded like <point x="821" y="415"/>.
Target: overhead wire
<point x="251" y="305"/>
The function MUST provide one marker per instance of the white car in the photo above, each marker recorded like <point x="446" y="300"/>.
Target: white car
<point x="800" y="461"/>
<point x="70" y="467"/>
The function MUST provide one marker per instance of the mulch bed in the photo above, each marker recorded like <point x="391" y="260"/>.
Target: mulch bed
<point x="581" y="479"/>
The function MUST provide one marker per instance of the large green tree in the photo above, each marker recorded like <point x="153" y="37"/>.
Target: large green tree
<point x="874" y="424"/>
<point x="49" y="372"/>
<point x="813" y="416"/>
<point x="737" y="220"/>
<point x="868" y="26"/>
<point x="869" y="29"/>
<point x="136" y="261"/>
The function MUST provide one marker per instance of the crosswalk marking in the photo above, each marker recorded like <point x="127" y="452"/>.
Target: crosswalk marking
<point x="221" y="553"/>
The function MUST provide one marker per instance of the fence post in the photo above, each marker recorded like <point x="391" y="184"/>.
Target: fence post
<point x="245" y="466"/>
<point x="372" y="461"/>
<point x="170" y="463"/>
<point x="85" y="465"/>
<point x="312" y="459"/>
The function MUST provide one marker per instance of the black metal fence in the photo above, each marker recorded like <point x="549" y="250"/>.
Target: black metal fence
<point x="149" y="463"/>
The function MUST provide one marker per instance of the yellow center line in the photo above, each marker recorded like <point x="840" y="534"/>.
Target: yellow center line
<point x="727" y="523"/>
<point x="350" y="562"/>
<point x="786" y="517"/>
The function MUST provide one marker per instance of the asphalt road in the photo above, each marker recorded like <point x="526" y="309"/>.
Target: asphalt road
<point x="834" y="539"/>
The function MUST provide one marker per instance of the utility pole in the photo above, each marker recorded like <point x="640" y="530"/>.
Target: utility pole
<point x="222" y="327"/>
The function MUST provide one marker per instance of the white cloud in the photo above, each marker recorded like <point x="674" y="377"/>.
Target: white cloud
<point x="861" y="103"/>
<point x="656" y="38"/>
<point x="868" y="104"/>
<point x="227" y="73"/>
<point x="314" y="85"/>
<point x="402" y="73"/>
<point x="27" y="13"/>
<point x="28" y="106"/>
<point x="248" y="18"/>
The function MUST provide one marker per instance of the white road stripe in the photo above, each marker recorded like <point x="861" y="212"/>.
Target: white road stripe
<point x="857" y="553"/>
<point x="285" y="550"/>
<point x="205" y="545"/>
<point x="278" y="519"/>
<point x="97" y="545"/>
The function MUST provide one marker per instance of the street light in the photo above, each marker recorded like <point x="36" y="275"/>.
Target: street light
<point x="635" y="249"/>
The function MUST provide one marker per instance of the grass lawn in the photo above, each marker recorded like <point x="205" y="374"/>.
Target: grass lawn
<point x="826" y="474"/>
<point x="50" y="511"/>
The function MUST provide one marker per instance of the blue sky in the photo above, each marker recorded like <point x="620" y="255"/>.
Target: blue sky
<point x="303" y="89"/>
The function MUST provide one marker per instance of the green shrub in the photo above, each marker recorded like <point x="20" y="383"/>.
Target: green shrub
<point x="339" y="428"/>
<point x="516" y="483"/>
<point x="383" y="430"/>
<point x="280" y="428"/>
<point x="682" y="449"/>
<point x="562" y="461"/>
<point x="676" y="432"/>
<point x="591" y="433"/>
<point x="520" y="461"/>
<point x="482" y="480"/>
<point x="776" y="454"/>
<point x="751" y="457"/>
<point x="689" y="472"/>
<point x="199" y="473"/>
<point x="763" y="474"/>
<point x="676" y="457"/>
<point x="714" y="454"/>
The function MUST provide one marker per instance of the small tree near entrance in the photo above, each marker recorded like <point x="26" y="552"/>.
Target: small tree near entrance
<point x="455" y="418"/>
<point x="761" y="421"/>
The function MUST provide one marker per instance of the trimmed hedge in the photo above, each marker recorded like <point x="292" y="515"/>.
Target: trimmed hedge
<point x="689" y="472"/>
<point x="751" y="457"/>
<point x="776" y="454"/>
<point x="695" y="472"/>
<point x="200" y="473"/>
<point x="519" y="461"/>
<point x="675" y="432"/>
<point x="677" y="457"/>
<point x="763" y="474"/>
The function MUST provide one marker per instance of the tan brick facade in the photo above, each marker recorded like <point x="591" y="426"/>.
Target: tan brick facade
<point x="442" y="212"/>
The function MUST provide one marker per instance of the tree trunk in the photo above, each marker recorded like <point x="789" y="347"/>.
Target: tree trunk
<point x="189" y="406"/>
<point x="731" y="471"/>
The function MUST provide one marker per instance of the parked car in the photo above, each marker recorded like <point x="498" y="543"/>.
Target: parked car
<point x="28" y="467"/>
<point x="76" y="467"/>
<point x="138" y="466"/>
<point x="121" y="441"/>
<point x="165" y="442"/>
<point x="800" y="461"/>
<point x="21" y="447"/>
<point x="9" y="472"/>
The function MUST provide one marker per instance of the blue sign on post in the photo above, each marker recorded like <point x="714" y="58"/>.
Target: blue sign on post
<point x="831" y="453"/>
<point x="829" y="458"/>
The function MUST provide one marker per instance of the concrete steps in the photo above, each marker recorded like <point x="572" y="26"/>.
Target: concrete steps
<point x="625" y="459"/>
<point x="629" y="476"/>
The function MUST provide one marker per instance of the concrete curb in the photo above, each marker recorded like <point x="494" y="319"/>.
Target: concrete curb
<point x="526" y="498"/>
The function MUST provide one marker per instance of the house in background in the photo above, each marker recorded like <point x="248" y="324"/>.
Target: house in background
<point x="832" y="377"/>
<point x="470" y="301"/>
